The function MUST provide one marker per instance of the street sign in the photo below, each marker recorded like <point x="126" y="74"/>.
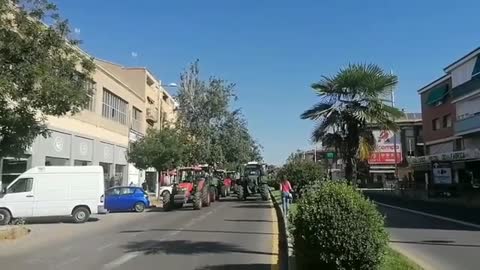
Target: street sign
<point x="330" y="155"/>
<point x="442" y="172"/>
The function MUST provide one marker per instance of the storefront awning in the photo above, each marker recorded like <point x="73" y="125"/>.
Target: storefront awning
<point x="437" y="94"/>
<point x="382" y="171"/>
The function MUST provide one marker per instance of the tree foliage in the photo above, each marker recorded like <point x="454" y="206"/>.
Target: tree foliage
<point x="350" y="101"/>
<point x="215" y="134"/>
<point x="160" y="149"/>
<point x="41" y="72"/>
<point x="301" y="172"/>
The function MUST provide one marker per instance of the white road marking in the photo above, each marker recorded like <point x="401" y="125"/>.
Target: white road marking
<point x="129" y="256"/>
<point x="67" y="262"/>
<point x="431" y="215"/>
<point x="121" y="260"/>
<point x="105" y="246"/>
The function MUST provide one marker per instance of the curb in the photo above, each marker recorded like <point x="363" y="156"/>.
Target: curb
<point x="286" y="242"/>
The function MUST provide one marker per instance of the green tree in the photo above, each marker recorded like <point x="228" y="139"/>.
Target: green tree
<point x="215" y="134"/>
<point x="301" y="172"/>
<point x="160" y="149"/>
<point x="350" y="100"/>
<point x="41" y="72"/>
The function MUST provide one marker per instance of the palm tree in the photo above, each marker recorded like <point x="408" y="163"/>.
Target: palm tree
<point x="350" y="101"/>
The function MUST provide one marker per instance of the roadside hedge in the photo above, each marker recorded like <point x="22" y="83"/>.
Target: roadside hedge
<point x="336" y="227"/>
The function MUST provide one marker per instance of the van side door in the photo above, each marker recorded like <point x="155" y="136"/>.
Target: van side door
<point x="20" y="197"/>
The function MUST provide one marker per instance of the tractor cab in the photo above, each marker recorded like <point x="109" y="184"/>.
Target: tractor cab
<point x="253" y="181"/>
<point x="186" y="178"/>
<point x="190" y="186"/>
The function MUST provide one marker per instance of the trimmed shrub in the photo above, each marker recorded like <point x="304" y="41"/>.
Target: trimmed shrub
<point x="336" y="227"/>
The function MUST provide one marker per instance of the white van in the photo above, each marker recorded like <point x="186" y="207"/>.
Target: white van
<point x="54" y="191"/>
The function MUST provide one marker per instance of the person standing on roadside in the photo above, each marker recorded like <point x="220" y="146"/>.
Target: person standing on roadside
<point x="286" y="189"/>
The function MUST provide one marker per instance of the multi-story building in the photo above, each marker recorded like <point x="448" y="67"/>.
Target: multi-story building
<point x="96" y="136"/>
<point x="159" y="109"/>
<point x="124" y="104"/>
<point x="451" y="110"/>
<point x="390" y="158"/>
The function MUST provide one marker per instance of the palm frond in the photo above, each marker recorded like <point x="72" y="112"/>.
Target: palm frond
<point x="317" y="111"/>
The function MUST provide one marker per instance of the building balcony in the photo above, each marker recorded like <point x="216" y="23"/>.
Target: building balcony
<point x="152" y="115"/>
<point x="469" y="124"/>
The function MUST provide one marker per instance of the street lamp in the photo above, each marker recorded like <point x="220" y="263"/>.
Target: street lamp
<point x="169" y="85"/>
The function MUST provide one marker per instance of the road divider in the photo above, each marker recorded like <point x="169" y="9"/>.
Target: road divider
<point x="282" y="244"/>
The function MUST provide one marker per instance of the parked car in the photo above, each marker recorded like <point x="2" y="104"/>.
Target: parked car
<point x="54" y="191"/>
<point x="126" y="199"/>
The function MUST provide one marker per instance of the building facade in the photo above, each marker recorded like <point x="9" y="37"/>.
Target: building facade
<point x="159" y="110"/>
<point x="451" y="108"/>
<point x="120" y="110"/>
<point x="390" y="158"/>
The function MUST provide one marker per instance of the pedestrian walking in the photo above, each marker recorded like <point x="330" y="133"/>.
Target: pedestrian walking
<point x="286" y="189"/>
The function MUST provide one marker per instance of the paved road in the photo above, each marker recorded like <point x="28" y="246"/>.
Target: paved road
<point x="227" y="235"/>
<point x="435" y="243"/>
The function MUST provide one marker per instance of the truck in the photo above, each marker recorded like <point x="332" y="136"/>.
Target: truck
<point x="52" y="191"/>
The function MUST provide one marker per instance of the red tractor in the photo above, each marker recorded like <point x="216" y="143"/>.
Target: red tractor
<point x="190" y="186"/>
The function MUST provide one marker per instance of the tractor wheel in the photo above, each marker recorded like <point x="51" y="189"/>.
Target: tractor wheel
<point x="197" y="200"/>
<point x="167" y="201"/>
<point x="224" y="191"/>
<point x="264" y="192"/>
<point x="241" y="193"/>
<point x="212" y="193"/>
<point x="206" y="197"/>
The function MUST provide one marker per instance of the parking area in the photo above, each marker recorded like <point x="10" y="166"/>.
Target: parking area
<point x="52" y="230"/>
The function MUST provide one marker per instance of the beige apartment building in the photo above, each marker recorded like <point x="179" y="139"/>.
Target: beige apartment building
<point x="125" y="102"/>
<point x="159" y="110"/>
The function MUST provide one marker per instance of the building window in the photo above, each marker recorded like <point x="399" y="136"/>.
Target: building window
<point x="447" y="121"/>
<point x="136" y="118"/>
<point x="436" y="124"/>
<point x="114" y="107"/>
<point x="92" y="88"/>
<point x="458" y="144"/>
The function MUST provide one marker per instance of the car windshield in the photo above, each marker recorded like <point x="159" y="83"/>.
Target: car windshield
<point x="186" y="176"/>
<point x="252" y="170"/>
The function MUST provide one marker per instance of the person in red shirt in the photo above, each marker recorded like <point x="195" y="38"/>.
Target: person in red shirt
<point x="286" y="189"/>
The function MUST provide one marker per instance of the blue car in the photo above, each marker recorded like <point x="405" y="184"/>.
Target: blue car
<point x="126" y="199"/>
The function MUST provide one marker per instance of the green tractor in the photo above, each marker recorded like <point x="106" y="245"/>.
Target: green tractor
<point x="213" y="180"/>
<point x="253" y="181"/>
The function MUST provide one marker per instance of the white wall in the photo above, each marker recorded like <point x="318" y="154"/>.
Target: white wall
<point x="463" y="73"/>
<point x="467" y="108"/>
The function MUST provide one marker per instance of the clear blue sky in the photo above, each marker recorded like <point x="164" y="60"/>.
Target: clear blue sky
<point x="273" y="49"/>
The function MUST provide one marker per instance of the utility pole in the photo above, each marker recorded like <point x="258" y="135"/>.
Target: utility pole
<point x="394" y="137"/>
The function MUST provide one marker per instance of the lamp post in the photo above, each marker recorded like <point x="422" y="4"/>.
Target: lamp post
<point x="394" y="137"/>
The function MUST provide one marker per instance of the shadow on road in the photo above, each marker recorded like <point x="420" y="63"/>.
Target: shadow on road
<point x="255" y="266"/>
<point x="52" y="220"/>
<point x="196" y="231"/>
<point x="255" y="206"/>
<point x="152" y="247"/>
<point x="435" y="243"/>
<point x="248" y="220"/>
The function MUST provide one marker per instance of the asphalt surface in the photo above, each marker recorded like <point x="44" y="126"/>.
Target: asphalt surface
<point x="434" y="243"/>
<point x="227" y="235"/>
